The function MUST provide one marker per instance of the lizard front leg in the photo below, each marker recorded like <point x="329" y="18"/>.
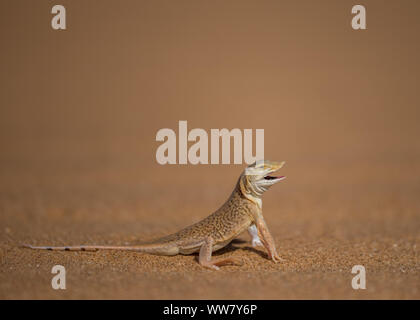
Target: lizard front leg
<point x="267" y="240"/>
<point x="253" y="232"/>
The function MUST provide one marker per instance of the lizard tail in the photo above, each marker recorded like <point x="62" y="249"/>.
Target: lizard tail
<point x="148" y="248"/>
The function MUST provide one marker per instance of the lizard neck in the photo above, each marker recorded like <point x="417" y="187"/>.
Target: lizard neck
<point x="243" y="190"/>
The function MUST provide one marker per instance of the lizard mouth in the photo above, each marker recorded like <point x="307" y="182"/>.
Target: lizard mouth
<point x="274" y="178"/>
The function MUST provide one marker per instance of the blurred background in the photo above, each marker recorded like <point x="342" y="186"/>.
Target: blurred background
<point x="80" y="109"/>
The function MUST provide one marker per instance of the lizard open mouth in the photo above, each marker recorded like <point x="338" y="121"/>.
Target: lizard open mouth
<point x="274" y="178"/>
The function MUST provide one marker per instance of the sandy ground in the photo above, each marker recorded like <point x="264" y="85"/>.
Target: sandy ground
<point x="80" y="110"/>
<point x="322" y="230"/>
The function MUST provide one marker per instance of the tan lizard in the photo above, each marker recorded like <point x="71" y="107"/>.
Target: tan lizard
<point x="242" y="211"/>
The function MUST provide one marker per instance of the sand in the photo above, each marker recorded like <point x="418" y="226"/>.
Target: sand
<point x="321" y="230"/>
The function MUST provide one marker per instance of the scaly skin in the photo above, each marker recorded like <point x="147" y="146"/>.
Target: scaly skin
<point x="242" y="211"/>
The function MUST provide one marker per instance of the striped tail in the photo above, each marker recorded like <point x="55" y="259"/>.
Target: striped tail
<point x="143" y="248"/>
<point x="153" y="248"/>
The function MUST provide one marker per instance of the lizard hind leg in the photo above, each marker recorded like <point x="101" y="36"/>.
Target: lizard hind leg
<point x="206" y="261"/>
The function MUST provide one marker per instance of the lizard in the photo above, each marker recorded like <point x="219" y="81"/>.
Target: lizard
<point x="241" y="212"/>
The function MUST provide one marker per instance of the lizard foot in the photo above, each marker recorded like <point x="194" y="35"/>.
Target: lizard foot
<point x="276" y="258"/>
<point x="217" y="263"/>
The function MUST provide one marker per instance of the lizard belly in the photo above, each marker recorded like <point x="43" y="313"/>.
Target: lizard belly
<point x="220" y="240"/>
<point x="221" y="245"/>
<point x="189" y="250"/>
<point x="216" y="246"/>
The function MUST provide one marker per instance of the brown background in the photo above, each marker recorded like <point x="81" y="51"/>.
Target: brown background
<point x="80" y="108"/>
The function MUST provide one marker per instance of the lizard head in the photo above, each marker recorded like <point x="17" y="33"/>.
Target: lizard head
<point x="256" y="179"/>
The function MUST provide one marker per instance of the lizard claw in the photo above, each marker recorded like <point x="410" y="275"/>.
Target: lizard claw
<point x="276" y="258"/>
